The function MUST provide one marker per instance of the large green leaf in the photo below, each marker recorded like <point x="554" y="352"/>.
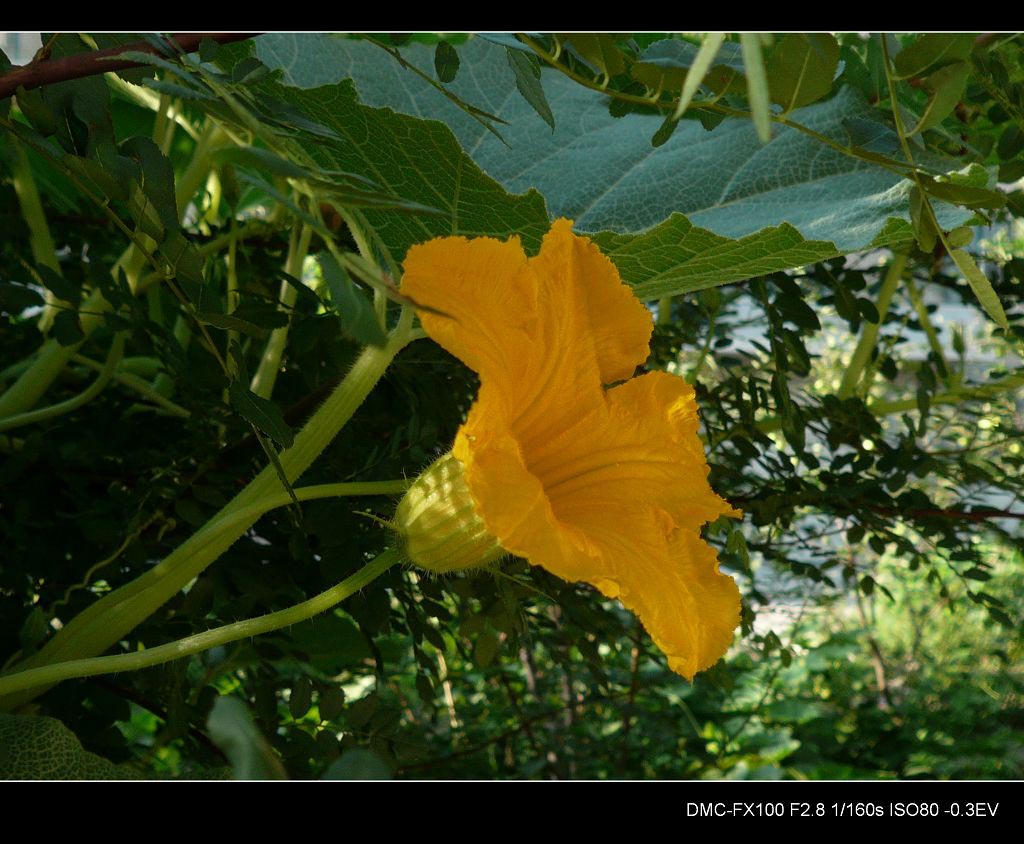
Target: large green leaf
<point x="417" y="160"/>
<point x="749" y="208"/>
<point x="34" y="747"/>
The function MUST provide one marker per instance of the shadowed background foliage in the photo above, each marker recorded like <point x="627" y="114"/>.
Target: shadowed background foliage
<point x="838" y="274"/>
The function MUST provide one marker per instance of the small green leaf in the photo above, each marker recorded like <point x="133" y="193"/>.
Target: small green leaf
<point x="446" y="61"/>
<point x="947" y="86"/>
<point x="331" y="703"/>
<point x="92" y="172"/>
<point x="67" y="329"/>
<point x="301" y="698"/>
<point x="184" y="92"/>
<point x="262" y="160"/>
<point x="959" y="346"/>
<point x="977" y="574"/>
<point x="665" y="131"/>
<point x="968" y="195"/>
<point x="157" y="178"/>
<point x="981" y="286"/>
<point x="37" y="111"/>
<point x="424" y="688"/>
<point x="868" y="311"/>
<point x="801" y="69"/>
<point x="668" y="63"/>
<point x="232" y="729"/>
<point x="262" y="413"/>
<point x="155" y="61"/>
<point x="183" y="258"/>
<point x="486" y="648"/>
<point x="1011" y="142"/>
<point x="358" y="764"/>
<point x="737" y="545"/>
<point x="1001" y="617"/>
<point x="599" y="49"/>
<point x="846" y="305"/>
<point x="960" y="237"/>
<point x="208" y="49"/>
<point x="527" y="70"/>
<point x="797" y="311"/>
<point x="248" y="70"/>
<point x="229" y="322"/>
<point x="5" y="65"/>
<point x="931" y="50"/>
<point x="358" y="318"/>
<point x="924" y="404"/>
<point x="360" y="712"/>
<point x="709" y="120"/>
<point x="924" y="229"/>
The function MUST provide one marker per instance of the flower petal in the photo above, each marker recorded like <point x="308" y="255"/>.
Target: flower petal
<point x="688" y="607"/>
<point x="487" y="299"/>
<point x="633" y="457"/>
<point x="603" y="486"/>
<point x="544" y="332"/>
<point x="617" y="323"/>
<point x="616" y="500"/>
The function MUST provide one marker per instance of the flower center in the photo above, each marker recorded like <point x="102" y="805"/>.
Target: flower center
<point x="438" y="522"/>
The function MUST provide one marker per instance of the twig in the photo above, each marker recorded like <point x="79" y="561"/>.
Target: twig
<point x="39" y="73"/>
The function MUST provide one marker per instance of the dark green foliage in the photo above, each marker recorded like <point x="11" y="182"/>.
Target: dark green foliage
<point x="879" y="555"/>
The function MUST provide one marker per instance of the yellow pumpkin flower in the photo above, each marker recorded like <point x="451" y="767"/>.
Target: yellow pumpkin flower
<point x="596" y="483"/>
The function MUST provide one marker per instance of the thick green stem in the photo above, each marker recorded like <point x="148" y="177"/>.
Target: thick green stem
<point x="957" y="395"/>
<point x="88" y="394"/>
<point x="926" y="323"/>
<point x="869" y="333"/>
<point x="52" y="357"/>
<point x="51" y="674"/>
<point x="266" y="374"/>
<point x="112" y="617"/>
<point x="705" y="351"/>
<point x="198" y="169"/>
<point x="358" y="231"/>
<point x="140" y="385"/>
<point x="44" y="252"/>
<point x="139" y="365"/>
<point x="234" y="298"/>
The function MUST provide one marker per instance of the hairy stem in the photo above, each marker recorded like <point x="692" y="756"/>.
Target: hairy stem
<point x="869" y="333"/>
<point x="44" y="252"/>
<point x="50" y="674"/>
<point x="139" y="385"/>
<point x="926" y="323"/>
<point x="52" y="357"/>
<point x="88" y="394"/>
<point x="112" y="617"/>
<point x="266" y="375"/>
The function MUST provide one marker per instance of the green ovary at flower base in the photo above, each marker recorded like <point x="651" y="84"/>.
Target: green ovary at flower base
<point x="437" y="520"/>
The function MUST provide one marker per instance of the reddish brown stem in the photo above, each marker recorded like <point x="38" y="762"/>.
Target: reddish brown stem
<point x="46" y="72"/>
